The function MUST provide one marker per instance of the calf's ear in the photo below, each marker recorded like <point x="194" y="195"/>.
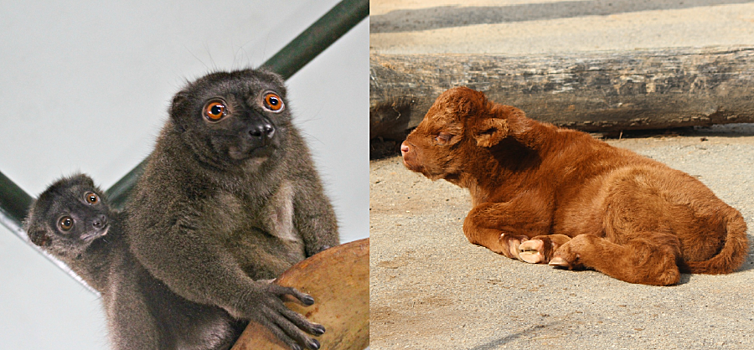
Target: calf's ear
<point x="490" y="131"/>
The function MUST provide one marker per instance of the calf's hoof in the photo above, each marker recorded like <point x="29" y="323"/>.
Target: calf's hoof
<point x="559" y="262"/>
<point x="510" y="244"/>
<point x="532" y="251"/>
<point x="565" y="257"/>
<point x="540" y="249"/>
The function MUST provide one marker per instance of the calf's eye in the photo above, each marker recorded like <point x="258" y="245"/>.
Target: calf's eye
<point x="443" y="138"/>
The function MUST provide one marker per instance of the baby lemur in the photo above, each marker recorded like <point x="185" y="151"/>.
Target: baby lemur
<point x="73" y="221"/>
<point x="229" y="199"/>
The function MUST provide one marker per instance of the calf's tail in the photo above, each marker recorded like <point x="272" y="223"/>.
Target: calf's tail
<point x="734" y="251"/>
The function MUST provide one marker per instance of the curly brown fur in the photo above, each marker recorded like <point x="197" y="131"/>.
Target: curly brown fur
<point x="627" y="216"/>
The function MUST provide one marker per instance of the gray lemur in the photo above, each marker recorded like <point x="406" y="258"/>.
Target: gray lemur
<point x="229" y="199"/>
<point x="73" y="221"/>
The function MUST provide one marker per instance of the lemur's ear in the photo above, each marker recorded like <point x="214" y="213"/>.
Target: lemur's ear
<point x="38" y="235"/>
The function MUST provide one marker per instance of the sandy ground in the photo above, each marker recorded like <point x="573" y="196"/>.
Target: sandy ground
<point x="431" y="289"/>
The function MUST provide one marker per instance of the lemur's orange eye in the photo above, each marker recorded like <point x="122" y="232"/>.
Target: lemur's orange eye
<point x="215" y="111"/>
<point x="65" y="223"/>
<point x="272" y="102"/>
<point x="91" y="198"/>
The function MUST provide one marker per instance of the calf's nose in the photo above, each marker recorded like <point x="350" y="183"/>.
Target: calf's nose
<point x="404" y="148"/>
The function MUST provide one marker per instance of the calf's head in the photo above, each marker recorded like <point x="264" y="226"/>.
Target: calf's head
<point x="458" y="130"/>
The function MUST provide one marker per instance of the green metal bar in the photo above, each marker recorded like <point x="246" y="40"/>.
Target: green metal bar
<point x="318" y="37"/>
<point x="14" y="203"/>
<point x="118" y="193"/>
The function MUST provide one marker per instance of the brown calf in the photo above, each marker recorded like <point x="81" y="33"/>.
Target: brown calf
<point x="544" y="194"/>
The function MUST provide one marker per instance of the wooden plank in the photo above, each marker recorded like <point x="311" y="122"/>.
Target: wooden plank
<point x="595" y="92"/>
<point x="338" y="279"/>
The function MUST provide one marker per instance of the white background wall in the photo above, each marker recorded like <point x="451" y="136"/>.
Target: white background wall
<point x="85" y="86"/>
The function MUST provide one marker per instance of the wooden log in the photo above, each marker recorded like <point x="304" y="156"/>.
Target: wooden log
<point x="338" y="279"/>
<point x="595" y="92"/>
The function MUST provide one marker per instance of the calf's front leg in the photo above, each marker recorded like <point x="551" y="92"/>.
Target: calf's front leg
<point x="503" y="227"/>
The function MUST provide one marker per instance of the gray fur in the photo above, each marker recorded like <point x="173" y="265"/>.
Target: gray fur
<point x="220" y="209"/>
<point x="142" y="313"/>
